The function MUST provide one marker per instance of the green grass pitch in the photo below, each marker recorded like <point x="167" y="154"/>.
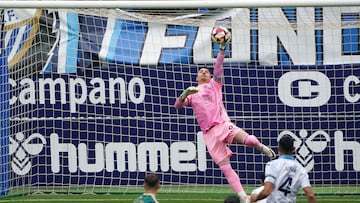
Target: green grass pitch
<point x="167" y="194"/>
<point x="162" y="197"/>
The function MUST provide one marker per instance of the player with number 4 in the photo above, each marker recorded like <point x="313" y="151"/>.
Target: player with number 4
<point x="214" y="122"/>
<point x="284" y="177"/>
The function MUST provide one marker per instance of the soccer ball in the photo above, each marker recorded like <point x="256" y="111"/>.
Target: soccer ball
<point x="220" y="35"/>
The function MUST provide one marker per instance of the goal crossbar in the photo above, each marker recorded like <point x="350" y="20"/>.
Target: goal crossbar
<point x="178" y="4"/>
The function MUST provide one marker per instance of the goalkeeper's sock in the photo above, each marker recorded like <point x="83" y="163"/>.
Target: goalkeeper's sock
<point x="232" y="178"/>
<point x="251" y="141"/>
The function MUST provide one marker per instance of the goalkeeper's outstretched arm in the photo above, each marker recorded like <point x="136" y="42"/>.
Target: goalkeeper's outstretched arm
<point x="218" y="68"/>
<point x="180" y="101"/>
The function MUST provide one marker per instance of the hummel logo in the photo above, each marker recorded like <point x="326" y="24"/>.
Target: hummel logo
<point x="304" y="145"/>
<point x="23" y="149"/>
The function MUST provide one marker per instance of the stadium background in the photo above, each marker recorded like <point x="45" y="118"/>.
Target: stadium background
<point x="327" y="129"/>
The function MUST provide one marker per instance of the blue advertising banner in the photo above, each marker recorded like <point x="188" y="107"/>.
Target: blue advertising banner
<point x="66" y="142"/>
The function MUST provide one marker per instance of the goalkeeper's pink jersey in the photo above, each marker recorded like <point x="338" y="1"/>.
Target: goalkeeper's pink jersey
<point x="207" y="104"/>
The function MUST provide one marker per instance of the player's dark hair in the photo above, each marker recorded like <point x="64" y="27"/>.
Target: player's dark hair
<point x="152" y="180"/>
<point x="286" y="144"/>
<point x="202" y="66"/>
<point x="232" y="199"/>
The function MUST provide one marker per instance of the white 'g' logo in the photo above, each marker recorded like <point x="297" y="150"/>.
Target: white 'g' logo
<point x="304" y="89"/>
<point x="23" y="149"/>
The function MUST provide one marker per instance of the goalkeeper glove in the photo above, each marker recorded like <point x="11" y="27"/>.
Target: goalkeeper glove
<point x="225" y="42"/>
<point x="188" y="91"/>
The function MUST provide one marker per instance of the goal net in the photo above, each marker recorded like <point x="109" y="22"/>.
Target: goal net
<point x="87" y="96"/>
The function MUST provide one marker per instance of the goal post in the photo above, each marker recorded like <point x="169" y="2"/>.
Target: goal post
<point x="4" y="128"/>
<point x="184" y="4"/>
<point x="88" y="91"/>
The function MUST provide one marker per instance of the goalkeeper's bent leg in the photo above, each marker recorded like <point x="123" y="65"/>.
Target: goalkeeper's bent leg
<point x="243" y="137"/>
<point x="251" y="141"/>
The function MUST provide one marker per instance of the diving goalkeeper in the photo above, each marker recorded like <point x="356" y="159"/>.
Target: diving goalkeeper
<point x="218" y="130"/>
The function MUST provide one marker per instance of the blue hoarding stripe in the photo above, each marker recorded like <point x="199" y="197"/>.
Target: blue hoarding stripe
<point x="73" y="41"/>
<point x="114" y="38"/>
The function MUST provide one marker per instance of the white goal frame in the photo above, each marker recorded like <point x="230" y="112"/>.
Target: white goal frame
<point x="117" y="6"/>
<point x="177" y="4"/>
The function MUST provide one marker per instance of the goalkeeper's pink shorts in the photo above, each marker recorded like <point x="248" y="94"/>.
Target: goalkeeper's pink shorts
<point x="216" y="139"/>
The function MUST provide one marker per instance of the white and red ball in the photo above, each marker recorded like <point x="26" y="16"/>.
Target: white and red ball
<point x="220" y="35"/>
